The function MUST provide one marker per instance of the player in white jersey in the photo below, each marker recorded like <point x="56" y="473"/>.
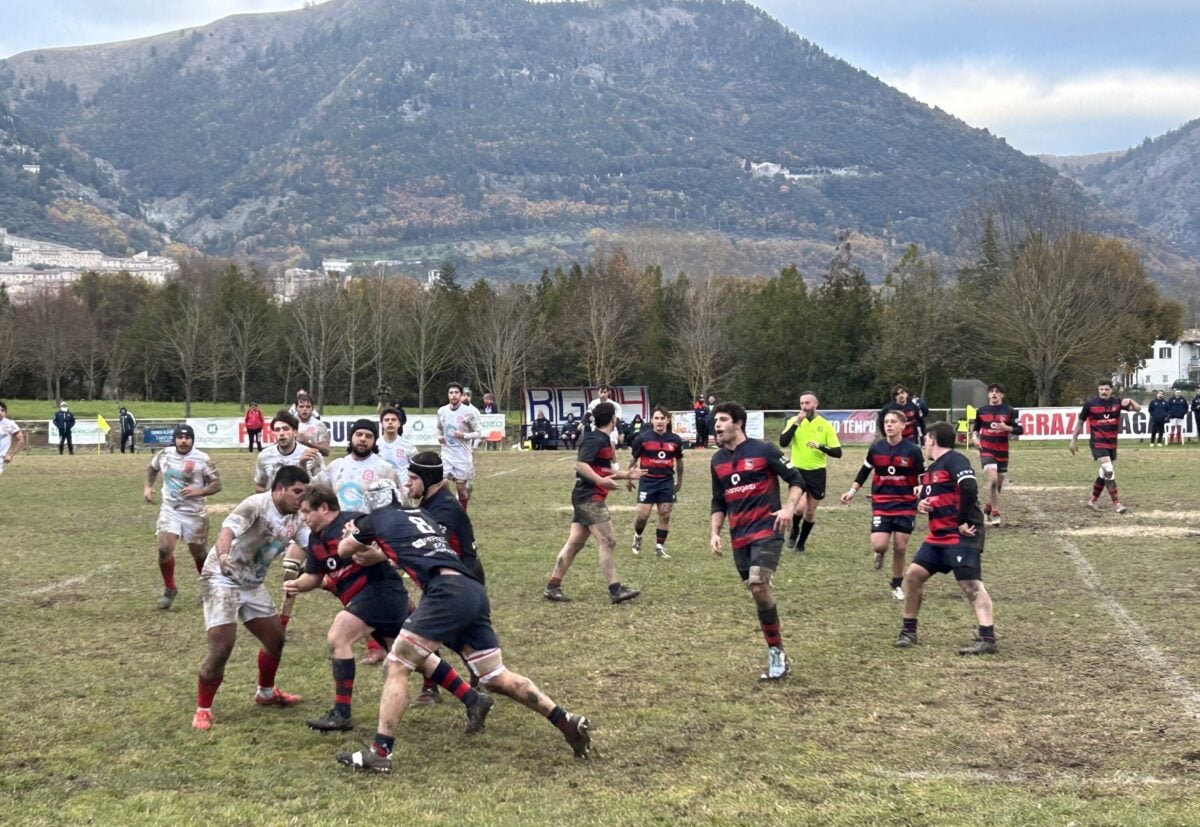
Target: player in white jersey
<point x="189" y="476"/>
<point x="311" y="432"/>
<point x="283" y="452"/>
<point x="606" y="395"/>
<point x="394" y="447"/>
<point x="231" y="587"/>
<point x="351" y="476"/>
<point x="12" y="438"/>
<point x="458" y="424"/>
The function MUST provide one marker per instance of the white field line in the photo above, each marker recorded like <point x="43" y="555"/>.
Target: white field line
<point x="66" y="583"/>
<point x="1171" y="531"/>
<point x="981" y="776"/>
<point x="500" y="473"/>
<point x="1143" y="646"/>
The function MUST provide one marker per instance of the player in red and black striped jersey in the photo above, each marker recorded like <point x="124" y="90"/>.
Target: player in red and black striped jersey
<point x="914" y="421"/>
<point x="1104" y="413"/>
<point x="595" y="476"/>
<point x="745" y="486"/>
<point x="373" y="596"/>
<point x="949" y="494"/>
<point x="995" y="422"/>
<point x="659" y="453"/>
<point x="896" y="463"/>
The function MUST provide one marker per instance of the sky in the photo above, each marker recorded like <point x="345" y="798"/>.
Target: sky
<point x="1065" y="77"/>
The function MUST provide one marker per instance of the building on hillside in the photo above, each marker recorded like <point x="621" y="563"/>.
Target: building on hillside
<point x="1168" y="363"/>
<point x="38" y="265"/>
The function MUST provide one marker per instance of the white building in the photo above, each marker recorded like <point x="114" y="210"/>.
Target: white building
<point x="36" y="264"/>
<point x="1168" y="363"/>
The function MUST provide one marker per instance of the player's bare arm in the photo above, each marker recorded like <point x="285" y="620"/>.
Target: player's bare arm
<point x="303" y="583"/>
<point x="15" y="447"/>
<point x="224" y="546"/>
<point x="718" y="520"/>
<point x="214" y="486"/>
<point x="151" y="476"/>
<point x="1130" y="405"/>
<point x="678" y="475"/>
<point x="783" y="517"/>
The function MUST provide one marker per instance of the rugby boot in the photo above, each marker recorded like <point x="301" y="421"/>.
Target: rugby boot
<point x="623" y="594"/>
<point x="555" y="595"/>
<point x="428" y="697"/>
<point x="995" y="521"/>
<point x="637" y="544"/>
<point x="898" y="592"/>
<point x="1120" y="508"/>
<point x="906" y="639"/>
<point x="331" y="721"/>
<point x="777" y="665"/>
<point x="477" y="714"/>
<point x="877" y="563"/>
<point x="366" y="759"/>
<point x="660" y="552"/>
<point x="168" y="598"/>
<point x="203" y="719"/>
<point x="793" y="539"/>
<point x="278" y="698"/>
<point x="578" y="734"/>
<point x="979" y="647"/>
<point x="1093" y="504"/>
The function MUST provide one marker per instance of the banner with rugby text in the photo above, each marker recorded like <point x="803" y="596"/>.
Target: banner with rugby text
<point x="230" y="432"/>
<point x="556" y="403"/>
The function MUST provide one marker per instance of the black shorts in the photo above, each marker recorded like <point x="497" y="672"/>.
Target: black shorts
<point x="893" y="524"/>
<point x="814" y="482"/>
<point x="986" y="459"/>
<point x="964" y="559"/>
<point x="1102" y="453"/>
<point x="383" y="607"/>
<point x="454" y="612"/>
<point x="762" y="553"/>
<point x="656" y="490"/>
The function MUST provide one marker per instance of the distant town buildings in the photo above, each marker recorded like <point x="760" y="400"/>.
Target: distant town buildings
<point x="36" y="265"/>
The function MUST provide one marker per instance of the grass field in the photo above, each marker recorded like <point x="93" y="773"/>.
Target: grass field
<point x="1089" y="714"/>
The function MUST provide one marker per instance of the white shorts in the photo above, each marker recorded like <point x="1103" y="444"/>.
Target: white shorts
<point x="226" y="602"/>
<point x="458" y="468"/>
<point x="191" y="528"/>
<point x="1178" y="423"/>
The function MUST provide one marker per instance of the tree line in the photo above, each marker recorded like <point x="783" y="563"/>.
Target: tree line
<point x="1043" y="308"/>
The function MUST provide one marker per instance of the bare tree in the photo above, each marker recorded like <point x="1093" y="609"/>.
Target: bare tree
<point x="424" y="343"/>
<point x="605" y="318"/>
<point x="10" y="355"/>
<point x="501" y="342"/>
<point x="50" y="330"/>
<point x="184" y="338"/>
<point x="700" y="351"/>
<point x="316" y="335"/>
<point x="245" y="324"/>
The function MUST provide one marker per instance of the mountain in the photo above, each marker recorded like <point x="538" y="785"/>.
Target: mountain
<point x="512" y="134"/>
<point x="1157" y="185"/>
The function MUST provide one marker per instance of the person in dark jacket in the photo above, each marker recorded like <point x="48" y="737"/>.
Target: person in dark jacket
<point x="128" y="424"/>
<point x="570" y="432"/>
<point x="1177" y="411"/>
<point x="64" y="420"/>
<point x="1158" y="410"/>
<point x="540" y="432"/>
<point x="701" y="411"/>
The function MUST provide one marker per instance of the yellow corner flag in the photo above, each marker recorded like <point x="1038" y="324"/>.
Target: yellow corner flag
<point x="102" y="424"/>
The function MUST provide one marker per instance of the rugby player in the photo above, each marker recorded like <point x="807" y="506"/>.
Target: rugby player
<point x="231" y="587"/>
<point x="394" y="446"/>
<point x="949" y="494"/>
<point x="189" y="475"/>
<point x="12" y="438"/>
<point x="896" y="463"/>
<point x="311" y="432"/>
<point x="995" y="422"/>
<point x="352" y="475"/>
<point x="1103" y="411"/>
<point x="745" y="485"/>
<point x="458" y="426"/>
<point x="659" y="453"/>
<point x="914" y="422"/>
<point x="284" y="451"/>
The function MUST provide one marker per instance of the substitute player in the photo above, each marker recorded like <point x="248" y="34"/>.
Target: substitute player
<point x="285" y="451"/>
<point x="659" y="453"/>
<point x="189" y="475"/>
<point x="949" y="494"/>
<point x="745" y="485"/>
<point x="994" y="423"/>
<point x="813" y="440"/>
<point x="458" y="426"/>
<point x="455" y="613"/>
<point x="262" y="527"/>
<point x="1103" y="411"/>
<point x="594" y="478"/>
<point x="896" y="463"/>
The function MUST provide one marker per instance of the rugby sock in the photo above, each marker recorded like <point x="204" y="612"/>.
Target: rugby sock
<point x="897" y="582"/>
<point x="206" y="691"/>
<point x="554" y="583"/>
<point x="373" y="645"/>
<point x="558" y="716"/>
<point x="614" y="588"/>
<point x="266" y="673"/>
<point x="805" y="531"/>
<point x="167" y="567"/>
<point x="285" y="620"/>
<point x="796" y="518"/>
<point x="769" y="619"/>
<point x="1097" y="487"/>
<point x="660" y="536"/>
<point x="910" y="624"/>
<point x="987" y="632"/>
<point x="445" y="676"/>
<point x="1111" y="485"/>
<point x="343" y="685"/>
<point x="383" y="744"/>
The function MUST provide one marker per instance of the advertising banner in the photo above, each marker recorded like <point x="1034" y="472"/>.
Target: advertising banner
<point x="556" y="403"/>
<point x="230" y="432"/>
<point x="158" y="435"/>
<point x="1059" y="423"/>
<point x="85" y="432"/>
<point x="851" y="426"/>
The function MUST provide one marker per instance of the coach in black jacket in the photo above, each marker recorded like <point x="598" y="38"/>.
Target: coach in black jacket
<point x="1158" y="410"/>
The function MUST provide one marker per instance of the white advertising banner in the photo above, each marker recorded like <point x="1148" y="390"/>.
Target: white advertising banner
<point x="1059" y="423"/>
<point x="230" y="432"/>
<point x="556" y="403"/>
<point x="85" y="432"/>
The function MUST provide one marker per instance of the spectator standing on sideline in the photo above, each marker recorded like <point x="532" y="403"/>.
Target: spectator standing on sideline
<point x="712" y="428"/>
<point x="1159" y="410"/>
<point x="1177" y="407"/>
<point x="701" y="412"/>
<point x="1196" y="409"/>
<point x="254" y="427"/>
<point x="64" y="420"/>
<point x="128" y="423"/>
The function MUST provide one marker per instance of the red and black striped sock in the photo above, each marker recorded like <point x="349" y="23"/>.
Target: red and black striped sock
<point x="660" y="536"/>
<point x="445" y="676"/>
<point x="207" y="690"/>
<point x="1111" y="485"/>
<point x="343" y="685"/>
<point x="167" y="569"/>
<point x="1097" y="487"/>
<point x="769" y="619"/>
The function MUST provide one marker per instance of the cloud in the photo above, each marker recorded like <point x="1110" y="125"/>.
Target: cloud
<point x="1014" y="102"/>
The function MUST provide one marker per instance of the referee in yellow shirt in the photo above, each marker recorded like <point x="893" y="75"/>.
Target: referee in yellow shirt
<point x="812" y="438"/>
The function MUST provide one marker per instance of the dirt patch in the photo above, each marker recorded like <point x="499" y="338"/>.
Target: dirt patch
<point x="1175" y="532"/>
